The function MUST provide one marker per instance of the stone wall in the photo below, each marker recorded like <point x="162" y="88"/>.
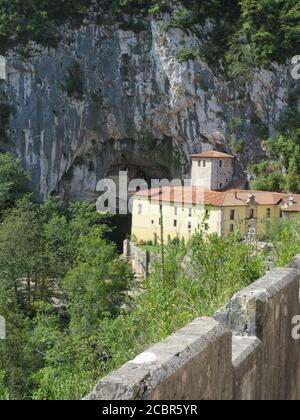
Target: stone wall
<point x="245" y="352"/>
<point x="142" y="260"/>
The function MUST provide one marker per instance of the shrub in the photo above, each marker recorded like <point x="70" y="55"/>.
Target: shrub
<point x="185" y="55"/>
<point x="5" y="114"/>
<point x="74" y="85"/>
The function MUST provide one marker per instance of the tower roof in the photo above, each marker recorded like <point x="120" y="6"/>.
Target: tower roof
<point x="212" y="155"/>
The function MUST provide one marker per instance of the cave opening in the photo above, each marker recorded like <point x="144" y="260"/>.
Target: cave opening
<point x="80" y="180"/>
<point x="144" y="170"/>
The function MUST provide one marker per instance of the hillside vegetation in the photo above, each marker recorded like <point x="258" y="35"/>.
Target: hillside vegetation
<point x="63" y="293"/>
<point x="245" y="33"/>
<point x="280" y="171"/>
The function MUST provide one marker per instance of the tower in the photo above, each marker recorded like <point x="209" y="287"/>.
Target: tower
<point x="212" y="170"/>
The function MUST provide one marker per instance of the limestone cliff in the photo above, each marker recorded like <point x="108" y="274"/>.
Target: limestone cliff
<point x="136" y="107"/>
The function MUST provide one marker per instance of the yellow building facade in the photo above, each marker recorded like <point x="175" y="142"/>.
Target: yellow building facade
<point x="186" y="210"/>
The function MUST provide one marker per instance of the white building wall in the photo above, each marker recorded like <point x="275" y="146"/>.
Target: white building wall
<point x="202" y="173"/>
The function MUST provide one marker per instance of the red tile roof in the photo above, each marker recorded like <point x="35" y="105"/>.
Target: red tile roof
<point x="212" y="155"/>
<point x="295" y="208"/>
<point x="230" y="198"/>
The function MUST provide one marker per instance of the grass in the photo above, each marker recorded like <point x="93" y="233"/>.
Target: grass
<point x="150" y="248"/>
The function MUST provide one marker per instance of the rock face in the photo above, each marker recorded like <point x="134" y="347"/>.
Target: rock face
<point x="140" y="108"/>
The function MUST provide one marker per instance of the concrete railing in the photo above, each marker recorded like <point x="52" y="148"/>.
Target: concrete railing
<point x="245" y="352"/>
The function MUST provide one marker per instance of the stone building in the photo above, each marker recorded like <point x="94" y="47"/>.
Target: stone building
<point x="215" y="202"/>
<point x="212" y="170"/>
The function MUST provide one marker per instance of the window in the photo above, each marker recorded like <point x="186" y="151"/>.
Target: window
<point x="206" y="213"/>
<point x="281" y="213"/>
<point x="221" y="186"/>
<point x="251" y="214"/>
<point x="140" y="209"/>
<point x="232" y="214"/>
<point x="190" y="212"/>
<point x="231" y="228"/>
<point x="189" y="225"/>
<point x="268" y="213"/>
<point x="176" y="211"/>
<point x="199" y="163"/>
<point x="175" y="223"/>
<point x="152" y="222"/>
<point x="221" y="164"/>
<point x="204" y="163"/>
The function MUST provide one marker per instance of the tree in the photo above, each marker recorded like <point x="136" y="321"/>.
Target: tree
<point x="284" y="235"/>
<point x="39" y="245"/>
<point x="281" y="172"/>
<point x="13" y="183"/>
<point x="97" y="285"/>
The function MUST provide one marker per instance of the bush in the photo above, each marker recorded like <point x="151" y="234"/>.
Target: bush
<point x="185" y="55"/>
<point x="238" y="146"/>
<point x="5" y="114"/>
<point x="74" y="85"/>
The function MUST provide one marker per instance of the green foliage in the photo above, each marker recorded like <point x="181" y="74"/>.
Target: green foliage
<point x="39" y="246"/>
<point x="238" y="146"/>
<point x="198" y="278"/>
<point x="134" y="26"/>
<point x="4" y="395"/>
<point x="244" y="34"/>
<point x="37" y="20"/>
<point x="96" y="285"/>
<point x="13" y="181"/>
<point x="5" y="114"/>
<point x="59" y="351"/>
<point x="185" y="55"/>
<point x="281" y="171"/>
<point x="74" y="85"/>
<point x="272" y="27"/>
<point x="234" y="124"/>
<point x="284" y="235"/>
<point x="260" y="126"/>
<point x="266" y="31"/>
<point x="289" y="123"/>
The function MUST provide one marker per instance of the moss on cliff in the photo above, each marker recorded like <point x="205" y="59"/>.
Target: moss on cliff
<point x="74" y="85"/>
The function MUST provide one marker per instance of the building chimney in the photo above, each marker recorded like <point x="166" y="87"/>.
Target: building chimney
<point x="291" y="200"/>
